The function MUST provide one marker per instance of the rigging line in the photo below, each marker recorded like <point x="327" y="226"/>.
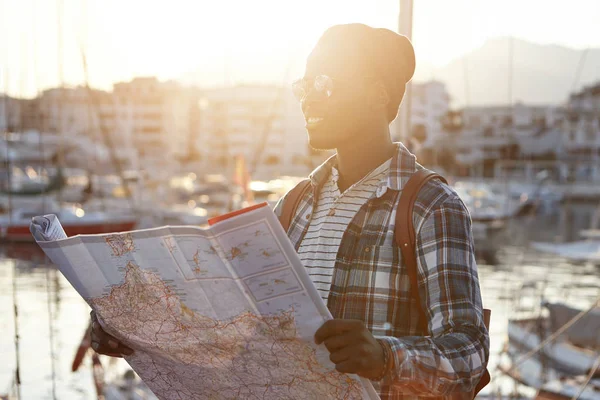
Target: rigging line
<point x="17" y="373"/>
<point x="466" y="80"/>
<point x="106" y="136"/>
<point x="17" y="376"/>
<point x="465" y="65"/>
<point x="44" y="195"/>
<point x="59" y="42"/>
<point x="510" y="69"/>
<point x="5" y="105"/>
<point x="511" y="132"/>
<point x="61" y="78"/>
<point x="588" y="378"/>
<point x="549" y="339"/>
<point x="41" y="147"/>
<point x="579" y="69"/>
<point x="16" y="324"/>
<point x="41" y="150"/>
<point x="92" y="133"/>
<point x="51" y="331"/>
<point x="7" y="162"/>
<point x="273" y="113"/>
<point x="96" y="106"/>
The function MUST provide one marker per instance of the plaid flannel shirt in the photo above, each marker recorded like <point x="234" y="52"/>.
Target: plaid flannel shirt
<point x="370" y="283"/>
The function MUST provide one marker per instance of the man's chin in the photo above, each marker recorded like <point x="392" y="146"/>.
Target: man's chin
<point x="320" y="143"/>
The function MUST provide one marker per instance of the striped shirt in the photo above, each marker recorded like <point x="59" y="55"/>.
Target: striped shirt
<point x="333" y="212"/>
<point x="370" y="282"/>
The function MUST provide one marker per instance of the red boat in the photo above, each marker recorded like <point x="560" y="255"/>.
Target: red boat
<point x="74" y="220"/>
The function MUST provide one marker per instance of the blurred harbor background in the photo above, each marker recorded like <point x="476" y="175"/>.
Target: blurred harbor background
<point x="114" y="124"/>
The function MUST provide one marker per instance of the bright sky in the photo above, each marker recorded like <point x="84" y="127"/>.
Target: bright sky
<point x="234" y="41"/>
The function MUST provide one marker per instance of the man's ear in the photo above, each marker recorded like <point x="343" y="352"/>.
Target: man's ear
<point x="379" y="96"/>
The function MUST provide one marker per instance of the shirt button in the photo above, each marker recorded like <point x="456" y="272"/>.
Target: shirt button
<point x="368" y="250"/>
<point x="308" y="216"/>
<point x="331" y="212"/>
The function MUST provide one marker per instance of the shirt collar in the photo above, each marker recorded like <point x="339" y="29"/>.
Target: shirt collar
<point x="403" y="165"/>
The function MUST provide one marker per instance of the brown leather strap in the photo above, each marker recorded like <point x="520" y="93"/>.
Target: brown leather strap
<point x="405" y="233"/>
<point x="291" y="203"/>
<point x="406" y="240"/>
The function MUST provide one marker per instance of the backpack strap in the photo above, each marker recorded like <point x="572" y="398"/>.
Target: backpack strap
<point x="404" y="232"/>
<point x="291" y="203"/>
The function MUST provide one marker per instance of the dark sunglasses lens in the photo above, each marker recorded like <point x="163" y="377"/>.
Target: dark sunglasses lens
<point x="324" y="85"/>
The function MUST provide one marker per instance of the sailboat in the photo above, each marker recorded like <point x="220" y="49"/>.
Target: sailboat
<point x="14" y="225"/>
<point x="580" y="251"/>
<point x="29" y="196"/>
<point x="564" y="366"/>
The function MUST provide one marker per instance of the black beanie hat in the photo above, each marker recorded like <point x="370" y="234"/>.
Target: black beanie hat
<point x="380" y="52"/>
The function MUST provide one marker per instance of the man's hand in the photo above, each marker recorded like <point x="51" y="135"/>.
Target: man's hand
<point x="103" y="343"/>
<point x="353" y="348"/>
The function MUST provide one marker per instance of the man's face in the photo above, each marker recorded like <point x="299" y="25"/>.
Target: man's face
<point x="343" y="115"/>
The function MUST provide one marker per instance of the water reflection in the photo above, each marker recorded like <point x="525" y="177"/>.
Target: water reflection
<point x="51" y="320"/>
<point x="511" y="288"/>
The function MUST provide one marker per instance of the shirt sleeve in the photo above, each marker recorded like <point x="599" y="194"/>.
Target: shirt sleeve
<point x="454" y="357"/>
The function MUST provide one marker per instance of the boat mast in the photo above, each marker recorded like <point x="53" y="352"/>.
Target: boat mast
<point x="61" y="93"/>
<point x="405" y="22"/>
<point x="16" y="337"/>
<point x="116" y="162"/>
<point x="8" y="163"/>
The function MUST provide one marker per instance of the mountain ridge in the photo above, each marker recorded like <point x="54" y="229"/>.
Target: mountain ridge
<point x="541" y="73"/>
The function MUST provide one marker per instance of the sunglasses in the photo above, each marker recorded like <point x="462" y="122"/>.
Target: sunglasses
<point x="321" y="85"/>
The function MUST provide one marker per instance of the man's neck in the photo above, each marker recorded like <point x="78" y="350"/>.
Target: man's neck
<point x="356" y="160"/>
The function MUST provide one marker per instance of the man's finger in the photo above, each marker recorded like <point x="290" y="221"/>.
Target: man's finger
<point x="123" y="350"/>
<point x="341" y="355"/>
<point x="351" y="366"/>
<point x="107" y="344"/>
<point x="335" y="327"/>
<point x="334" y="343"/>
<point x="108" y="349"/>
<point x="100" y="334"/>
<point x="103" y="337"/>
<point x="103" y="343"/>
<point x="126" y="350"/>
<point x="108" y="353"/>
<point x="119" y="351"/>
<point x="96" y="337"/>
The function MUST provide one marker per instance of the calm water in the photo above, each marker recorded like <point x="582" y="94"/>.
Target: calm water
<point x="47" y="304"/>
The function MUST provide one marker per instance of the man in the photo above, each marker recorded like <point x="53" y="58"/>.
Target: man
<point x="343" y="230"/>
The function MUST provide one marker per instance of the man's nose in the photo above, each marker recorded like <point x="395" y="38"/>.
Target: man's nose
<point x="312" y="97"/>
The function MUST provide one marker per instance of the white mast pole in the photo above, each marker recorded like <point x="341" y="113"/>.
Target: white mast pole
<point x="405" y="22"/>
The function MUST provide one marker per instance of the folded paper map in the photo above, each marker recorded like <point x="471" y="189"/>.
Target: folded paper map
<point x="223" y="312"/>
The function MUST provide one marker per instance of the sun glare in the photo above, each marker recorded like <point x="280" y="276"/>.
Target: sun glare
<point x="235" y="41"/>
